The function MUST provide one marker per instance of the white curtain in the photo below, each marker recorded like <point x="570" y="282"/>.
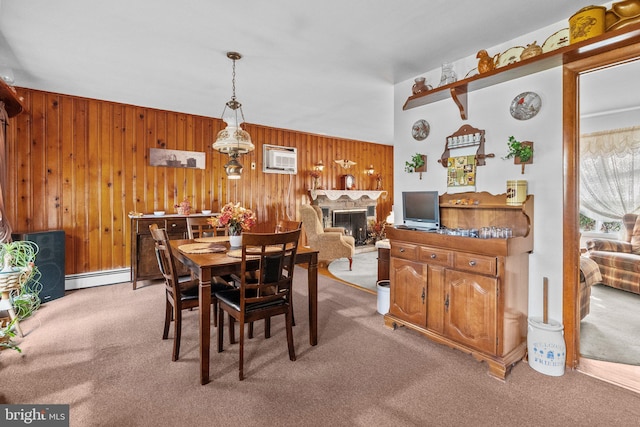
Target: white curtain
<point x="610" y="173"/>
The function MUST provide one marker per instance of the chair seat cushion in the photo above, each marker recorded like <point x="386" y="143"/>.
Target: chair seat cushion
<point x="232" y="298"/>
<point x="189" y="289"/>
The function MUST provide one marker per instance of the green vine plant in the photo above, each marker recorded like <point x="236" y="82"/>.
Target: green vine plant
<point x="21" y="254"/>
<point x="518" y="149"/>
<point x="6" y="337"/>
<point x="416" y="162"/>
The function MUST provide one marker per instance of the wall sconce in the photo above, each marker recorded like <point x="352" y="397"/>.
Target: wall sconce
<point x="318" y="166"/>
<point x="370" y="170"/>
<point x="346" y="164"/>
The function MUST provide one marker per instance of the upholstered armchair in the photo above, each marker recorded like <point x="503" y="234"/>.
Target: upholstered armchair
<point x="331" y="243"/>
<point x="619" y="260"/>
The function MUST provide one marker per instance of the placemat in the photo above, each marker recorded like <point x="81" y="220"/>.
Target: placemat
<point x="201" y="248"/>
<point x="237" y="253"/>
<point x="212" y="239"/>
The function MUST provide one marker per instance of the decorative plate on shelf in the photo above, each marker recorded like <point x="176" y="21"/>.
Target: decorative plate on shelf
<point x="556" y="40"/>
<point x="525" y="106"/>
<point x="420" y="130"/>
<point x="509" y="56"/>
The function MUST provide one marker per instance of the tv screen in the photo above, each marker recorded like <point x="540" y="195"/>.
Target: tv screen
<point x="421" y="209"/>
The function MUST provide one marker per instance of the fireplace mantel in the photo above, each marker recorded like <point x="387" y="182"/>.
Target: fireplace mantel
<point x="352" y="194"/>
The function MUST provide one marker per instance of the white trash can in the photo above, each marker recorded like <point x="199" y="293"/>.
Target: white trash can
<point x="546" y="346"/>
<point x="384" y="290"/>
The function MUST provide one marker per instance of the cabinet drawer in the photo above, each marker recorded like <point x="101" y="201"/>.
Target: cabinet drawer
<point x="436" y="256"/>
<point x="404" y="250"/>
<point x="143" y="225"/>
<point x="176" y="226"/>
<point x="476" y="263"/>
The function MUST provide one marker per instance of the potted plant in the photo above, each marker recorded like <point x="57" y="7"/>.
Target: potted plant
<point x="520" y="152"/>
<point x="418" y="163"/>
<point x="20" y="276"/>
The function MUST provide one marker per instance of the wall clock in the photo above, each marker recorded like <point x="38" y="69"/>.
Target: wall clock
<point x="420" y="130"/>
<point x="525" y="106"/>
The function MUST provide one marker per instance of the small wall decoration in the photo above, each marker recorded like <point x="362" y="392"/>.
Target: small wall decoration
<point x="420" y="130"/>
<point x="418" y="163"/>
<point x="525" y="106"/>
<point x="177" y="158"/>
<point x="461" y="171"/>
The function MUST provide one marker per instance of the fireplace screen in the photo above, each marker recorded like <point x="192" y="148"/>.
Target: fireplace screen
<point x="354" y="221"/>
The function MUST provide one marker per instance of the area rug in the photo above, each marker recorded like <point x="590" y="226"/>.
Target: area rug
<point x="364" y="271"/>
<point x="611" y="329"/>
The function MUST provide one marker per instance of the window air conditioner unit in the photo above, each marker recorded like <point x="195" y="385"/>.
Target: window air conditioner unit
<point x="279" y="159"/>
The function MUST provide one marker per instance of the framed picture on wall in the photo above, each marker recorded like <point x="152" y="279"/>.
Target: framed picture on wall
<point x="177" y="158"/>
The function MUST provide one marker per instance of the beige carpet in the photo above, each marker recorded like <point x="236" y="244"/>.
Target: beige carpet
<point x="611" y="330"/>
<point x="100" y="350"/>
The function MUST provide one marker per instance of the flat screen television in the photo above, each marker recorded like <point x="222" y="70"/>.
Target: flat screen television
<point x="421" y="209"/>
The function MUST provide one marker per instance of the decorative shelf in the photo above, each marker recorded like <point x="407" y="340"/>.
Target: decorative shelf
<point x="12" y="103"/>
<point x="593" y="46"/>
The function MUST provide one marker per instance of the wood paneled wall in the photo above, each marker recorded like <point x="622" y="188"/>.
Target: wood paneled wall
<point x="81" y="165"/>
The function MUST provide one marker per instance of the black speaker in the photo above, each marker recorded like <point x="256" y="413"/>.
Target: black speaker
<point x="49" y="260"/>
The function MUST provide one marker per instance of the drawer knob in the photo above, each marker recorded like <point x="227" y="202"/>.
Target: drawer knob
<point x="401" y="249"/>
<point x="472" y="263"/>
<point x="174" y="224"/>
<point x="433" y="256"/>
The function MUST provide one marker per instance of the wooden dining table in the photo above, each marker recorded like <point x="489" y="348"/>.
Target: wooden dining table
<point x="204" y="266"/>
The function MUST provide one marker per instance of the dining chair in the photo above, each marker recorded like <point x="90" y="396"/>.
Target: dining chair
<point x="198" y="226"/>
<point x="269" y="296"/>
<point x="179" y="295"/>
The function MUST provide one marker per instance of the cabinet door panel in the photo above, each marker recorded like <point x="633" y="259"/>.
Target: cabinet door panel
<point x="435" y="298"/>
<point x="147" y="261"/>
<point x="470" y="310"/>
<point x="408" y="291"/>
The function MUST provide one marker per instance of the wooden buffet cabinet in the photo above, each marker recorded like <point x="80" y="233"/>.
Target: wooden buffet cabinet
<point x="468" y="293"/>
<point x="144" y="265"/>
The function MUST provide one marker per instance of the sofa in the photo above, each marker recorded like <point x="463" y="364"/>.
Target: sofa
<point x="619" y="260"/>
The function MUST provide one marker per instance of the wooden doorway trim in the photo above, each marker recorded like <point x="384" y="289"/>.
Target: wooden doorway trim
<point x="571" y="173"/>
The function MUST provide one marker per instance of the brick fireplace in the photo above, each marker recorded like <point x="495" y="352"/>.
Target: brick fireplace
<point x="351" y="209"/>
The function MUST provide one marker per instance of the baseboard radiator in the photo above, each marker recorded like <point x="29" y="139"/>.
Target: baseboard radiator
<point x="97" y="278"/>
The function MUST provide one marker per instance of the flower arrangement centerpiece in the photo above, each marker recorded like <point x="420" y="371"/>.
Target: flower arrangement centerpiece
<point x="184" y="207"/>
<point x="236" y="218"/>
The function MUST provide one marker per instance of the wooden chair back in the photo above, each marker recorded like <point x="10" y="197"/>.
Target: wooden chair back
<point x="166" y="262"/>
<point x="198" y="226"/>
<point x="287" y="225"/>
<point x="269" y="294"/>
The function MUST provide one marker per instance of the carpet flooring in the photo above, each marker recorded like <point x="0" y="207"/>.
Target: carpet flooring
<point x="100" y="351"/>
<point x="364" y="271"/>
<point x="611" y="330"/>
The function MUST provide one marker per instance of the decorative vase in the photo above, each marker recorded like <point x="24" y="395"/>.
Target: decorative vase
<point x="235" y="241"/>
<point x="448" y="75"/>
<point x="420" y="86"/>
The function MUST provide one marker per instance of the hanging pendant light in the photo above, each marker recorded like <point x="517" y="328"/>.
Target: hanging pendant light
<point x="233" y="140"/>
<point x="233" y="167"/>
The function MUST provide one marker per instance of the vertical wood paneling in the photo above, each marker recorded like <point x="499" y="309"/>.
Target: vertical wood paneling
<point x="82" y="165"/>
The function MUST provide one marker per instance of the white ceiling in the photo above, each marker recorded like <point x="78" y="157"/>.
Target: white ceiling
<point x="325" y="67"/>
